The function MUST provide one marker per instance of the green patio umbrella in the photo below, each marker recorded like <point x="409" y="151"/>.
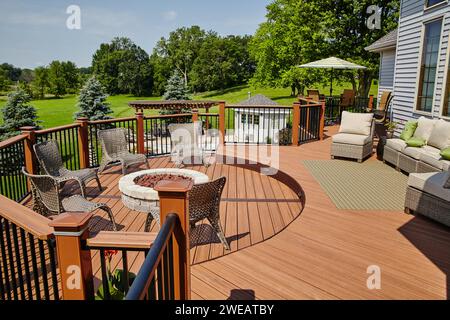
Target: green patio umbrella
<point x="332" y="63"/>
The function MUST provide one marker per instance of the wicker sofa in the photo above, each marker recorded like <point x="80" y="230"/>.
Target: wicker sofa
<point x="424" y="159"/>
<point x="355" y="137"/>
<point x="427" y="194"/>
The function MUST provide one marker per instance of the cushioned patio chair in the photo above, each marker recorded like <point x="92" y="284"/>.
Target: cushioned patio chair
<point x="48" y="202"/>
<point x="186" y="142"/>
<point x="115" y="149"/>
<point x="315" y="95"/>
<point x="355" y="137"/>
<point x="51" y="163"/>
<point x="204" y="203"/>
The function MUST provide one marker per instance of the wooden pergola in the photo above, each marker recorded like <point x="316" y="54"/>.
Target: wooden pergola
<point x="140" y="106"/>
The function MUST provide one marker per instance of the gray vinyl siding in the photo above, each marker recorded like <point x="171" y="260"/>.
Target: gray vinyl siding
<point x="387" y="70"/>
<point x="408" y="57"/>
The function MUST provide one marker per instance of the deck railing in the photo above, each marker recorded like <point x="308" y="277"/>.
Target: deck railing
<point x="28" y="267"/>
<point x="333" y="108"/>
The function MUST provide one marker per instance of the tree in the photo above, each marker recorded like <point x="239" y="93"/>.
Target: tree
<point x="12" y="73"/>
<point x="123" y="67"/>
<point x="4" y="81"/>
<point x="92" y="101"/>
<point x="17" y="113"/>
<point x="298" y="32"/>
<point x="71" y="75"/>
<point x="175" y="90"/>
<point x="41" y="81"/>
<point x="63" y="77"/>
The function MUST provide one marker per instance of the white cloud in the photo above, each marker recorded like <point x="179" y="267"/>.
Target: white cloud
<point x="170" y="15"/>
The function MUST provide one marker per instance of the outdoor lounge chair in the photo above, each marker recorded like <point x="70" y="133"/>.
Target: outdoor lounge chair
<point x="186" y="142"/>
<point x="381" y="113"/>
<point x="51" y="163"/>
<point x="115" y="149"/>
<point x="48" y="202"/>
<point x="355" y="137"/>
<point x="315" y="95"/>
<point x="204" y="203"/>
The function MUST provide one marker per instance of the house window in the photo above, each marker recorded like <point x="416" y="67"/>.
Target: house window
<point x="243" y="118"/>
<point x="256" y="120"/>
<point x="430" y="3"/>
<point x="430" y="53"/>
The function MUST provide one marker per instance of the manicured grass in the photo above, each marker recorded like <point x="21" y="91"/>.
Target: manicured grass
<point x="57" y="112"/>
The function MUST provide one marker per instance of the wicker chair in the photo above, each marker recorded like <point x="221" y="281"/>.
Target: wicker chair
<point x="380" y="114"/>
<point x="185" y="138"/>
<point x="51" y="163"/>
<point x="204" y="203"/>
<point x="115" y="149"/>
<point x="48" y="202"/>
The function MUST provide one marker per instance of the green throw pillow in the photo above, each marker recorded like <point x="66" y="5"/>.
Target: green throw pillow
<point x="416" y="142"/>
<point x="445" y="154"/>
<point x="409" y="130"/>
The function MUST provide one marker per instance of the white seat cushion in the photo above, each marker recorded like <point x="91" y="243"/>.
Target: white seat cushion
<point x="432" y="183"/>
<point x="356" y="123"/>
<point x="353" y="139"/>
<point x="435" y="160"/>
<point x="440" y="136"/>
<point x="416" y="153"/>
<point x="396" y="144"/>
<point x="424" y="128"/>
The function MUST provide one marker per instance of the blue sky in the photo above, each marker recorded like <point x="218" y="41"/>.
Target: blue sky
<point x="34" y="33"/>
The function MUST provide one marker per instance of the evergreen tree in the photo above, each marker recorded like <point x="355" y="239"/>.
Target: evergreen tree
<point x="17" y="113"/>
<point x="175" y="90"/>
<point x="92" y="101"/>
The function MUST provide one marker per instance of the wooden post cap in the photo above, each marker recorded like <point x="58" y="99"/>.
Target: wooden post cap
<point x="82" y="119"/>
<point x="27" y="128"/>
<point x="139" y="114"/>
<point x="71" y="221"/>
<point x="174" y="186"/>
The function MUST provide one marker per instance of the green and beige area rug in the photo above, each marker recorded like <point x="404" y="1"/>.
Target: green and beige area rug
<point x="371" y="185"/>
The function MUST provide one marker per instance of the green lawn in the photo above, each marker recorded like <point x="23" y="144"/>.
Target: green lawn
<point x="56" y="112"/>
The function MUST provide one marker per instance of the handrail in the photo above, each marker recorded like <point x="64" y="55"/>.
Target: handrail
<point x="232" y="106"/>
<point x="25" y="218"/>
<point x="12" y="140"/>
<point x="55" y="129"/>
<point x="203" y="114"/>
<point x="140" y="285"/>
<point x="165" y="116"/>
<point x="111" y="120"/>
<point x="122" y="240"/>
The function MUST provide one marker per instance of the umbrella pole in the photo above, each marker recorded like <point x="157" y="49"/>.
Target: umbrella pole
<point x="331" y="86"/>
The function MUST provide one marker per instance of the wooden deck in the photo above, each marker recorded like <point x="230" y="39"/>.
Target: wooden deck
<point x="289" y="241"/>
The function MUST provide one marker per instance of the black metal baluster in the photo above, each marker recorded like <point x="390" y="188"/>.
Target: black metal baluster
<point x="106" y="293"/>
<point x="126" y="275"/>
<point x="44" y="269"/>
<point x="160" y="283"/>
<point x="23" y="239"/>
<point x="8" y="285"/>
<point x="35" y="266"/>
<point x="51" y="245"/>
<point x="10" y="258"/>
<point x="18" y="261"/>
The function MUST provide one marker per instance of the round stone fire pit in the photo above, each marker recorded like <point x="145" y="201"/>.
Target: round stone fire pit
<point x="137" y="188"/>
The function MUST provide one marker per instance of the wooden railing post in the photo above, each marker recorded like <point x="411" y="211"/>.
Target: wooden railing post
<point x="173" y="198"/>
<point x="140" y="132"/>
<point x="371" y="99"/>
<point x="322" y="120"/>
<point x="194" y="115"/>
<point x="295" y="123"/>
<point x="71" y="230"/>
<point x="30" y="158"/>
<point x="83" y="142"/>
<point x="222" y="122"/>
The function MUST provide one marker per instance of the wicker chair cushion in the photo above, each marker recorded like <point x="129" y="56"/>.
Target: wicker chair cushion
<point x="424" y="128"/>
<point x="435" y="160"/>
<point x="432" y="183"/>
<point x="356" y="123"/>
<point x="78" y="203"/>
<point x="440" y="136"/>
<point x="416" y="142"/>
<point x="396" y="144"/>
<point x="353" y="139"/>
<point x="409" y="130"/>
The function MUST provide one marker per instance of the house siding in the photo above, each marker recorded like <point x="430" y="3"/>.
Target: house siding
<point x="409" y="49"/>
<point x="387" y="70"/>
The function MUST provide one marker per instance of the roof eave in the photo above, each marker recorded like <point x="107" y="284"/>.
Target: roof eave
<point x="381" y="49"/>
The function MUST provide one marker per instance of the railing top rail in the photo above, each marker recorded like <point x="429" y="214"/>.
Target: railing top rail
<point x="141" y="283"/>
<point x="12" y="140"/>
<point x="56" y="129"/>
<point x="111" y="120"/>
<point x="310" y="101"/>
<point x="204" y="114"/>
<point x="242" y="106"/>
<point x="122" y="240"/>
<point x="25" y="218"/>
<point x="165" y="116"/>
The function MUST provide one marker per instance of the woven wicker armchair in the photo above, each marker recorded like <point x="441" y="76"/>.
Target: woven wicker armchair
<point x="186" y="142"/>
<point x="204" y="203"/>
<point x="51" y="163"/>
<point x="115" y="149"/>
<point x="48" y="202"/>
